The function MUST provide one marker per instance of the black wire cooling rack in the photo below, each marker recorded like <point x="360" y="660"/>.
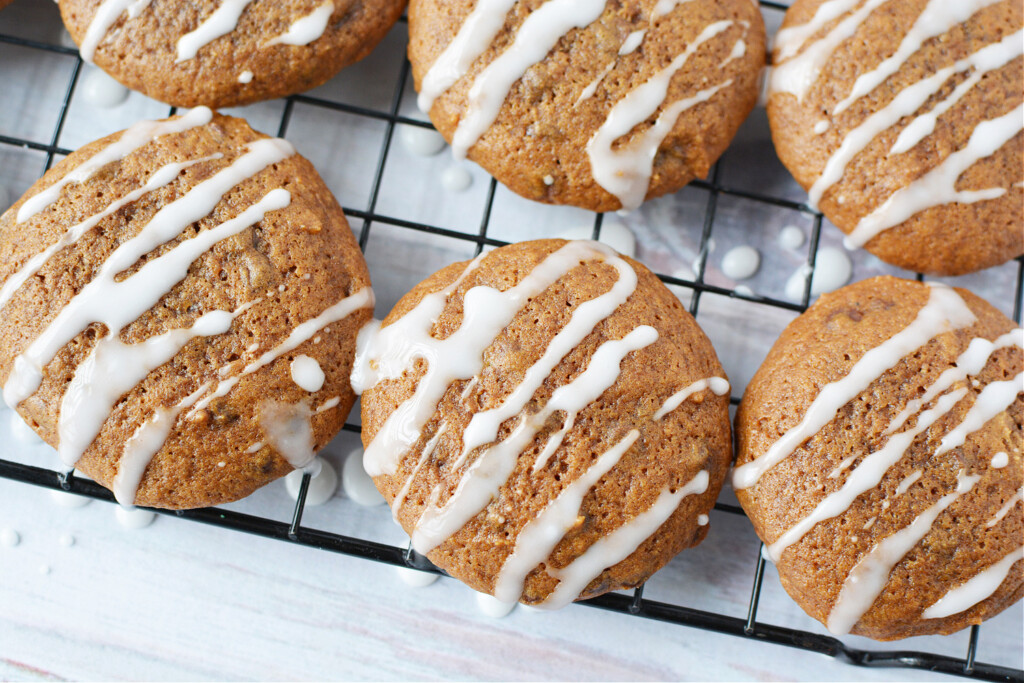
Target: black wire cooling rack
<point x="634" y="605"/>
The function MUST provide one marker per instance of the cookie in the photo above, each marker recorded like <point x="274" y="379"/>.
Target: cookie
<point x="903" y="121"/>
<point x="547" y="422"/>
<point x="225" y="53"/>
<point x="181" y="303"/>
<point x="879" y="459"/>
<point x="598" y="105"/>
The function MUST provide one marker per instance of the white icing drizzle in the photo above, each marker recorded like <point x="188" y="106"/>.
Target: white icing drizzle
<point x="938" y="186"/>
<point x="307" y="29"/>
<point x="160" y="178"/>
<point x="702" y="520"/>
<point x="629" y="45"/>
<point x="255" y="448"/>
<point x="739" y="49"/>
<point x="538" y="34"/>
<point x="539" y="537"/>
<point x="116" y="303"/>
<point x="937" y="17"/>
<point x="288" y="430"/>
<point x="332" y="402"/>
<point x="945" y="311"/>
<point x="143" y="444"/>
<point x="106" y="16"/>
<point x="908" y="481"/>
<point x="841" y="467"/>
<point x="908" y="101"/>
<point x="870" y="575"/>
<point x="483" y="427"/>
<point x="245" y="77"/>
<point x="1000" y="460"/>
<point x="718" y="385"/>
<point x="619" y="544"/>
<point x="867" y="475"/>
<point x="789" y="40"/>
<point x="486" y="312"/>
<point x="111" y="370"/>
<point x="139" y="135"/>
<point x="1001" y="53"/>
<point x="1003" y="511"/>
<point x="993" y="400"/>
<point x="307" y="373"/>
<point x="482" y="480"/>
<point x="979" y="587"/>
<point x="223" y="21"/>
<point x="474" y="37"/>
<point x="428" y="450"/>
<point x="797" y="74"/>
<point x="967" y="364"/>
<point x="299" y="335"/>
<point x="626" y="172"/>
<point x="663" y="7"/>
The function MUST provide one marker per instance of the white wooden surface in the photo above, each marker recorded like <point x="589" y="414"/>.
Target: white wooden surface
<point x="182" y="601"/>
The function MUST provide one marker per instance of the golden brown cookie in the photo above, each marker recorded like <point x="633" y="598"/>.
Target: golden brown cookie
<point x="224" y="53"/>
<point x="879" y="459"/>
<point x="599" y="105"/>
<point x="181" y="302"/>
<point x="903" y="121"/>
<point x="547" y="422"/>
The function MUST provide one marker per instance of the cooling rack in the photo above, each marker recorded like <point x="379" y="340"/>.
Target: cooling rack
<point x="693" y="283"/>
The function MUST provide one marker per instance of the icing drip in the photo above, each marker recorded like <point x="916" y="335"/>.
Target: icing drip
<point x="908" y="101"/>
<point x="144" y="444"/>
<point x="867" y="475"/>
<point x="307" y="373"/>
<point x="288" y="431"/>
<point x="937" y="17"/>
<point x="474" y="37"/>
<point x="663" y="7"/>
<point x="1000" y="460"/>
<point x="979" y="587"/>
<point x="110" y="371"/>
<point x="945" y="311"/>
<point x="797" y="74"/>
<point x="870" y="575"/>
<point x="483" y="427"/>
<point x="223" y="21"/>
<point x="619" y="544"/>
<point x="539" y="537"/>
<point x="486" y="312"/>
<point x="718" y="385"/>
<point x="538" y="34"/>
<point x="938" y="186"/>
<point x="299" y="335"/>
<point x="626" y="172"/>
<point x="106" y="16"/>
<point x="1003" y="511"/>
<point x="993" y="400"/>
<point x="307" y="29"/>
<point x="139" y="135"/>
<point x="908" y="481"/>
<point x="160" y="178"/>
<point x="492" y="468"/>
<point x="967" y="364"/>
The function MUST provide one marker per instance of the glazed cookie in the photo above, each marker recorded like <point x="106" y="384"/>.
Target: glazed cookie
<point x="902" y="119"/>
<point x="599" y="105"/>
<point x="547" y="422"/>
<point x="181" y="302"/>
<point x="879" y="459"/>
<point x="224" y="53"/>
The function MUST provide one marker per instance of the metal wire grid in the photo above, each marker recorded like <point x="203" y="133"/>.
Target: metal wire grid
<point x="636" y="604"/>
